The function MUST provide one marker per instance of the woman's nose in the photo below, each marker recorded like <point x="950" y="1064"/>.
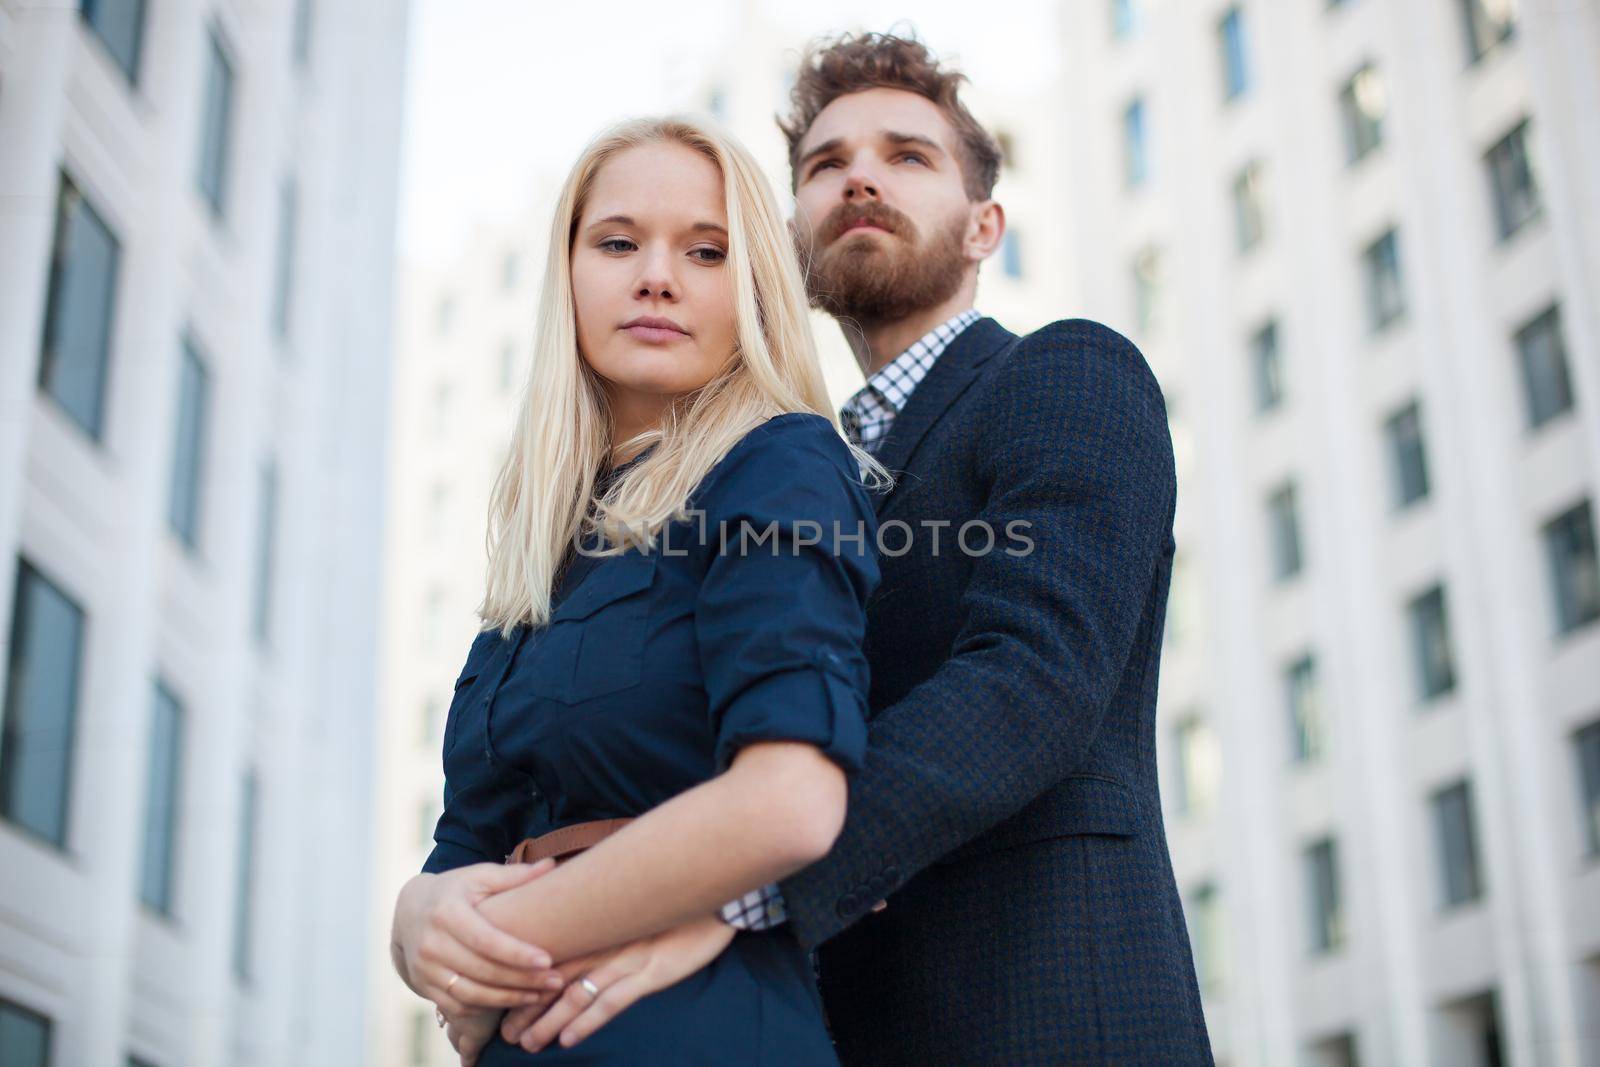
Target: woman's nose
<point x="656" y="277"/>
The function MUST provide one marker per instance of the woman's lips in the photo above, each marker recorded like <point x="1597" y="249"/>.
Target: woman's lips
<point x="655" y="335"/>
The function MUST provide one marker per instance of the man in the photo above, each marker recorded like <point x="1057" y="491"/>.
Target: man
<point x="1001" y="892"/>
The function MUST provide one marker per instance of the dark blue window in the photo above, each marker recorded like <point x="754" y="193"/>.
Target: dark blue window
<point x="41" y="707"/>
<point x="188" y="451"/>
<point x="120" y="26"/>
<point x="165" y="771"/>
<point x="78" y="315"/>
<point x="216" y="125"/>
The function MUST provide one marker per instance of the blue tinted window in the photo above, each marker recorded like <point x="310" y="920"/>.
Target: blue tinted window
<point x="1135" y="160"/>
<point x="1235" y="66"/>
<point x="216" y="128"/>
<point x="165" y="768"/>
<point x="24" y="1037"/>
<point x="41" y="707"/>
<point x="77" y="329"/>
<point x="120" y="26"/>
<point x="183" y="511"/>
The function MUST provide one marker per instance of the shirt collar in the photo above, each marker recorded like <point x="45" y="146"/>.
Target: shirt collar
<point x="895" y="380"/>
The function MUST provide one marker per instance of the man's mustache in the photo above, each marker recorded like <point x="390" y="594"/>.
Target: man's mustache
<point x="870" y="212"/>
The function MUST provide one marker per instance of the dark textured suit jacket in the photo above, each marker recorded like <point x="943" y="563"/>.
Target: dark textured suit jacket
<point x="1008" y="809"/>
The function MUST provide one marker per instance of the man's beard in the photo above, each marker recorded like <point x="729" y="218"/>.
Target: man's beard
<point x="884" y="278"/>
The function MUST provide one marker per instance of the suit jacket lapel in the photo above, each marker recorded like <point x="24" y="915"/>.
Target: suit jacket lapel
<point x="955" y="369"/>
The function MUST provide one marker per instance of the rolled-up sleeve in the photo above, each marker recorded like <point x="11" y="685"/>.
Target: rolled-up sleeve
<point x="781" y="613"/>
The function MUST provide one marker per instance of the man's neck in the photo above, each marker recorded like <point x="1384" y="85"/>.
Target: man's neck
<point x="876" y="344"/>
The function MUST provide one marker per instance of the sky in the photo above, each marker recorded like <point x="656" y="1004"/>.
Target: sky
<point x="500" y="91"/>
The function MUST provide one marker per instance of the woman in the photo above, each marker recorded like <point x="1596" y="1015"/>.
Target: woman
<point x="674" y="616"/>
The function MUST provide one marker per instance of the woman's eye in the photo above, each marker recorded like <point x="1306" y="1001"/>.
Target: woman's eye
<point x="610" y="241"/>
<point x="711" y="255"/>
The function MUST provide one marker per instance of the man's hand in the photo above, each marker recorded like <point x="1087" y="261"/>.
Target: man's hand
<point x="471" y="1032"/>
<point x="454" y="956"/>
<point x="623" y="975"/>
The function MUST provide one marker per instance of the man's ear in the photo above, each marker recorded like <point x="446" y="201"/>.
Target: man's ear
<point x="987" y="228"/>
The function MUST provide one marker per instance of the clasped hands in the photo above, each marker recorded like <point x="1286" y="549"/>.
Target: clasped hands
<point x="483" y="980"/>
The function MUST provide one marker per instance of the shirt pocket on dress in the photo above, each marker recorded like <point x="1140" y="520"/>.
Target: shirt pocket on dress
<point x="596" y="637"/>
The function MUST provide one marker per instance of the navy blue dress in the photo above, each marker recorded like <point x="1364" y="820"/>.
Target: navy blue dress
<point x="655" y="667"/>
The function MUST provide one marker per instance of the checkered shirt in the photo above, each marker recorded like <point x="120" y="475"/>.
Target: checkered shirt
<point x="866" y="417"/>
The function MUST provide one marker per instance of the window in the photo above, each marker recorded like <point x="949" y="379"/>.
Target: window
<point x="1340" y="1049"/>
<point x="1199" y="766"/>
<point x="1488" y="23"/>
<point x="302" y="32"/>
<point x="216" y="126"/>
<point x="1511" y="181"/>
<point x="443" y="406"/>
<point x="266" y="536"/>
<point x="433" y="714"/>
<point x="1469" y="1032"/>
<point x="1206" y="935"/>
<point x="1266" y="364"/>
<point x="1147" y="281"/>
<point x="421" y="1037"/>
<point x="1460" y="876"/>
<point x="120" y="26"/>
<point x="1574" y="571"/>
<point x="1430" y="644"/>
<point x="84" y="265"/>
<point x="41" y="707"/>
<point x="1283" y="522"/>
<point x="283" y="274"/>
<point x="24" y="1036"/>
<point x="508" y="366"/>
<point x="1124" y="18"/>
<point x="244" y="879"/>
<point x="510" y="270"/>
<point x="1586" y="742"/>
<point x="1135" y="160"/>
<point x="1407" y="455"/>
<point x="1307" y="736"/>
<point x="445" y="315"/>
<point x="1249" y="222"/>
<point x="1324" y="907"/>
<point x="1547" y="388"/>
<point x="1385" y="294"/>
<point x="1230" y="40"/>
<point x="1011" y="254"/>
<point x="1363" y="102"/>
<point x="1183" y="592"/>
<point x="161" y="801"/>
<point x="183" y="506"/>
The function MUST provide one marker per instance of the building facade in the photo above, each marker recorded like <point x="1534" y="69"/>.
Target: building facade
<point x="1359" y="243"/>
<point x="196" y="258"/>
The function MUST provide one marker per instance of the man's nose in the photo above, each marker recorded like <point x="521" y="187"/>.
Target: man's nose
<point x="860" y="186"/>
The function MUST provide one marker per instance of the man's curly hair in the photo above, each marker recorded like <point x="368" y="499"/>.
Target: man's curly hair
<point x="850" y="63"/>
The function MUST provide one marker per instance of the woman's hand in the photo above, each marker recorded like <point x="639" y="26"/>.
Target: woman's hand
<point x="452" y="955"/>
<point x="471" y="1032"/>
<point x="622" y="975"/>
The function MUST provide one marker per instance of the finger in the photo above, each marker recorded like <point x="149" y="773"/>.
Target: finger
<point x="488" y="878"/>
<point x="566" y="1007"/>
<point x="469" y="926"/>
<point x="476" y="996"/>
<point x="519" y="1019"/>
<point x="455" y="958"/>
<point x="613" y="1000"/>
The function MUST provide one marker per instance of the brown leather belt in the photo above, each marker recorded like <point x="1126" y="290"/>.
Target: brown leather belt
<point x="565" y="842"/>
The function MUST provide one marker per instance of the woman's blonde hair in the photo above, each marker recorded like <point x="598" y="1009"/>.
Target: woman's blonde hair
<point x="544" y="497"/>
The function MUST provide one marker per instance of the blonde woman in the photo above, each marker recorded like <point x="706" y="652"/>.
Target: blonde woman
<point x="669" y="690"/>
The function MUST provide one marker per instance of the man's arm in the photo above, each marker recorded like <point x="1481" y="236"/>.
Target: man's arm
<point x="1078" y="447"/>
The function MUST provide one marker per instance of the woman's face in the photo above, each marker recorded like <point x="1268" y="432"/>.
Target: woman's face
<point x="650" y="279"/>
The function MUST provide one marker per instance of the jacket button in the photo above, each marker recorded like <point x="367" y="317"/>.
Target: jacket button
<point x="892" y="873"/>
<point x="847" y="906"/>
<point x="877" y="886"/>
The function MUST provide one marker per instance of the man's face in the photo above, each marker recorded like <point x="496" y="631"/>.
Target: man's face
<point x="882" y="216"/>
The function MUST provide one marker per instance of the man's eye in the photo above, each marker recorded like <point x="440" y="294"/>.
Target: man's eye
<point x="824" y="163"/>
<point x="610" y="241"/>
<point x="918" y="156"/>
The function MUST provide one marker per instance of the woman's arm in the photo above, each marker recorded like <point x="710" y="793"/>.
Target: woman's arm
<point x="776" y="809"/>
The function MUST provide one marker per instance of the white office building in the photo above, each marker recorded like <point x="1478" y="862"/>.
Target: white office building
<point x="197" y="206"/>
<point x="1359" y="242"/>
